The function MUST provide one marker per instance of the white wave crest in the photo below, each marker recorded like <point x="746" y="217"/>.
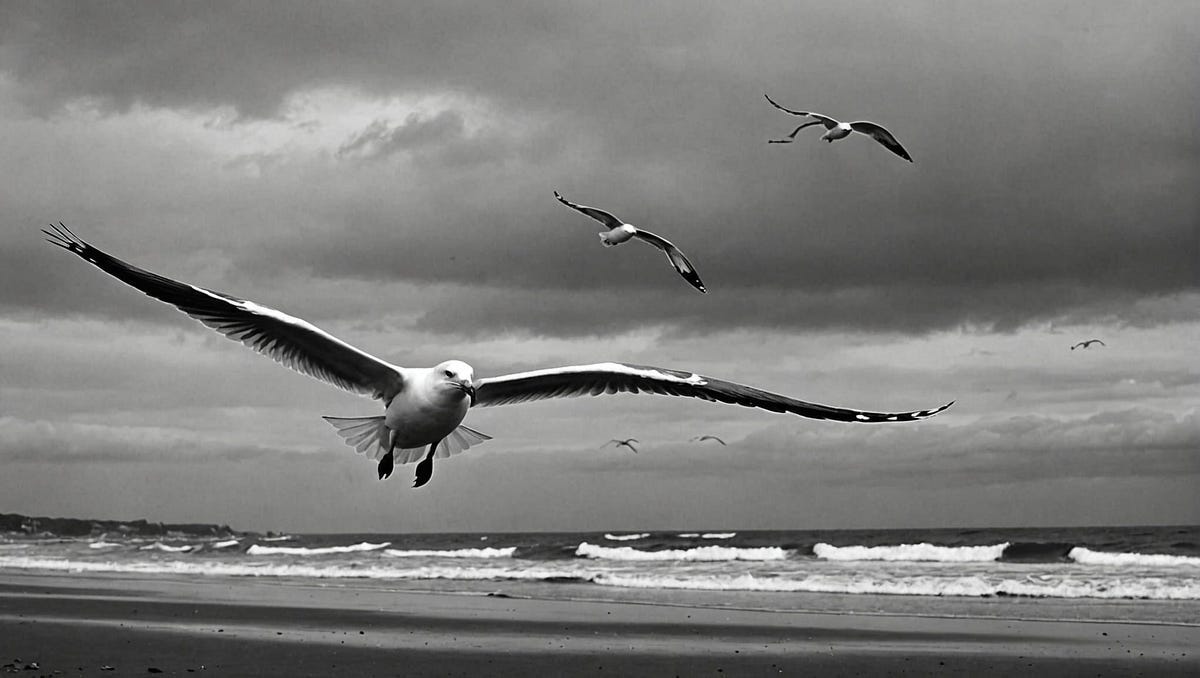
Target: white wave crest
<point x="626" y="537"/>
<point x="258" y="550"/>
<point x="159" y="546"/>
<point x="967" y="586"/>
<point x="689" y="535"/>
<point x="718" y="535"/>
<point x="700" y="553"/>
<point x="1087" y="556"/>
<point x="225" y="544"/>
<point x="315" y="571"/>
<point x="102" y="545"/>
<point x="505" y="552"/>
<point x="912" y="552"/>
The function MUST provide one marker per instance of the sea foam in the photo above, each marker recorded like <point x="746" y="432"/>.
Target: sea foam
<point x="626" y="537"/>
<point x="259" y="550"/>
<point x="911" y="552"/>
<point x="505" y="552"/>
<point x="1089" y="557"/>
<point x="700" y="553"/>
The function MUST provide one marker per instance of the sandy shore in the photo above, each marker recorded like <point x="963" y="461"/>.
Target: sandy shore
<point x="79" y="625"/>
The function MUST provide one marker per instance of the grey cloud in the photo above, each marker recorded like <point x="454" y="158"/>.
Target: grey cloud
<point x="1013" y="213"/>
<point x="1118" y="444"/>
<point x="381" y="139"/>
<point x="66" y="443"/>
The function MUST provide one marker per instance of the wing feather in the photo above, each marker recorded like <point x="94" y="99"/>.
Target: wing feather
<point x="879" y="133"/>
<point x="290" y="341"/>
<point x="599" y="215"/>
<point x="676" y="256"/>
<point x="825" y="120"/>
<point x="578" y="380"/>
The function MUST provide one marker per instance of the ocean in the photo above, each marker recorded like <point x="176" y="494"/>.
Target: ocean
<point x="1158" y="563"/>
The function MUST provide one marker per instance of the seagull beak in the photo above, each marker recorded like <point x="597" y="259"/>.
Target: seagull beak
<point x="469" y="389"/>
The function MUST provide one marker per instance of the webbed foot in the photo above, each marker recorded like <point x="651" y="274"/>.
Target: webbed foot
<point x="386" y="465"/>
<point x="425" y="468"/>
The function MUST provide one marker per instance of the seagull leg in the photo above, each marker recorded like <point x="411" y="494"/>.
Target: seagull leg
<point x="425" y="468"/>
<point x="388" y="462"/>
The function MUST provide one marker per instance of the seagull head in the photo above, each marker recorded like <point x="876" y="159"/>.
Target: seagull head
<point x="455" y="375"/>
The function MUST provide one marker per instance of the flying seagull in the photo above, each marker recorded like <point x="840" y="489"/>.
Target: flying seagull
<point x="841" y="130"/>
<point x="628" y="442"/>
<point x="1088" y="344"/>
<point x="424" y="407"/>
<point x="700" y="439"/>
<point x="619" y="231"/>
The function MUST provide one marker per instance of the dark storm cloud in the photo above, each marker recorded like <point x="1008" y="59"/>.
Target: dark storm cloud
<point x="1057" y="151"/>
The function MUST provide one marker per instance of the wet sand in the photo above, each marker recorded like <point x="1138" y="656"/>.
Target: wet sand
<point x="78" y="625"/>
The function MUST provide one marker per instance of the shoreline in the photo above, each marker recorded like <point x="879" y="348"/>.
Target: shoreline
<point x="295" y="628"/>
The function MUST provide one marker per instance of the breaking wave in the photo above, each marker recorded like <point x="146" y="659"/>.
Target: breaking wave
<point x="700" y="553"/>
<point x="626" y="537"/>
<point x="258" y="550"/>
<point x="159" y="546"/>
<point x="969" y="586"/>
<point x="1089" y="557"/>
<point x="506" y="552"/>
<point x="911" y="552"/>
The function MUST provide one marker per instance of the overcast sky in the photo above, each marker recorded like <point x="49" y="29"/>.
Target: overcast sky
<point x="386" y="171"/>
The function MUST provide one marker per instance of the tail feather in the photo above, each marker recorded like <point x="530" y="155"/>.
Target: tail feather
<point x="368" y="435"/>
<point x="363" y="434"/>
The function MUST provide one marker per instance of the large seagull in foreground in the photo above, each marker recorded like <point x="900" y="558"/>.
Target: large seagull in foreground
<point x="841" y="130"/>
<point x="619" y="231"/>
<point x="425" y="406"/>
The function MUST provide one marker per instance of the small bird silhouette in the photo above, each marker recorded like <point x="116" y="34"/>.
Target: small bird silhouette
<point x="703" y="438"/>
<point x="1088" y="344"/>
<point x="628" y="442"/>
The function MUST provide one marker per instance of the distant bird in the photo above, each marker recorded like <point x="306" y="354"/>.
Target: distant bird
<point x="628" y="442"/>
<point x="619" y="232"/>
<point x="1088" y="344"/>
<point x="425" y="406"/>
<point x="841" y="130"/>
<point x="703" y="438"/>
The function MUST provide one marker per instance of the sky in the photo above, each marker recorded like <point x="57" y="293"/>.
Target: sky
<point x="386" y="172"/>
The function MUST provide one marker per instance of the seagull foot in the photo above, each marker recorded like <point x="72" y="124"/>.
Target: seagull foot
<point x="424" y="472"/>
<point x="386" y="465"/>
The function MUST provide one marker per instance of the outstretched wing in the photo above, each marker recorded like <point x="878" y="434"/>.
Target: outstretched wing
<point x="287" y="340"/>
<point x="605" y="378"/>
<point x="880" y="134"/>
<point x="675" y="256"/>
<point x="599" y="215"/>
<point x="825" y="120"/>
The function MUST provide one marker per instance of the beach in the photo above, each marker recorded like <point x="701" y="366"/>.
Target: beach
<point x="72" y="624"/>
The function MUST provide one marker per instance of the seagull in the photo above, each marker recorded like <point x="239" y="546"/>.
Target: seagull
<point x="1088" y="344"/>
<point x="619" y="232"/>
<point x="701" y="439"/>
<point x="424" y="407"/>
<point x="628" y="442"/>
<point x="841" y="130"/>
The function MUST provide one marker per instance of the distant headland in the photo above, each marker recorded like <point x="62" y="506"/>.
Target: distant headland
<point x="79" y="527"/>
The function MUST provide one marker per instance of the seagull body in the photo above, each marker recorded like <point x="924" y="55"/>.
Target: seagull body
<point x="425" y="407"/>
<point x="619" y="232"/>
<point x="840" y="130"/>
<point x="1088" y="344"/>
<point x="700" y="439"/>
<point x="628" y="442"/>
